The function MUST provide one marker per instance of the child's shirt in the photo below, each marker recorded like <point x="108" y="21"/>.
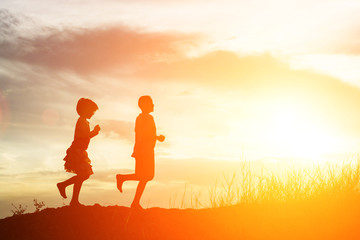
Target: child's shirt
<point x="82" y="134"/>
<point x="145" y="135"/>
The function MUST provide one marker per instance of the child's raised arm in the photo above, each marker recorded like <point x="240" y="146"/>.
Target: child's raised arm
<point x="83" y="130"/>
<point x="95" y="131"/>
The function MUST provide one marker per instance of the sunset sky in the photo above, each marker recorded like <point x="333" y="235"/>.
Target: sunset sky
<point x="271" y="82"/>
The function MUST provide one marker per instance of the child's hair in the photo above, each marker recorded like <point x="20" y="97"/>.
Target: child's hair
<point x="85" y="105"/>
<point x="144" y="101"/>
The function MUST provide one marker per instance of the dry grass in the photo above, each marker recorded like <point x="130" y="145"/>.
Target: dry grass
<point x="188" y="199"/>
<point x="320" y="182"/>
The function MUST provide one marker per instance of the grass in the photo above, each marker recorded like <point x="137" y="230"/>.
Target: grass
<point x="314" y="203"/>
<point x="21" y="209"/>
<point x="320" y="182"/>
<point x="189" y="199"/>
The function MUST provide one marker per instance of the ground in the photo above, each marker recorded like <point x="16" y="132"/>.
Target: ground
<point x="291" y="220"/>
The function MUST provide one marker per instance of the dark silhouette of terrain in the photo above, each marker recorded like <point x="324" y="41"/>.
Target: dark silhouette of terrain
<point x="291" y="220"/>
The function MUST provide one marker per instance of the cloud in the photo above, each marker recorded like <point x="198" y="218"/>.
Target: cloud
<point x="347" y="43"/>
<point x="266" y="78"/>
<point x="8" y="23"/>
<point x="228" y="71"/>
<point x="219" y="67"/>
<point x="122" y="129"/>
<point x="89" y="50"/>
<point x="157" y="58"/>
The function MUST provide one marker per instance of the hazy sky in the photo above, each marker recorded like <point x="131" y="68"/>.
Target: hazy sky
<point x="267" y="81"/>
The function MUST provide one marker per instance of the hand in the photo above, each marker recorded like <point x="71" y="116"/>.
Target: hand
<point x="161" y="138"/>
<point x="97" y="128"/>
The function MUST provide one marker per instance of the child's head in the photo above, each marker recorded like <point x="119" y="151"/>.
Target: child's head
<point x="86" y="107"/>
<point x="146" y="104"/>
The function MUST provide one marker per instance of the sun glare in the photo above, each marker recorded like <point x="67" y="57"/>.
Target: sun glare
<point x="295" y="135"/>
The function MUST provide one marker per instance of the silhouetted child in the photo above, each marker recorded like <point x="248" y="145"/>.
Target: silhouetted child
<point x="145" y="139"/>
<point x="76" y="159"/>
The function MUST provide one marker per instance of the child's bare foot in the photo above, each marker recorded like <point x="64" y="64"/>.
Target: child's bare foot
<point x="61" y="190"/>
<point x="119" y="182"/>
<point x="136" y="206"/>
<point x="76" y="204"/>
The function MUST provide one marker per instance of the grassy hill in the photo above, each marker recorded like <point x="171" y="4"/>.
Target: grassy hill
<point x="331" y="219"/>
<point x="321" y="204"/>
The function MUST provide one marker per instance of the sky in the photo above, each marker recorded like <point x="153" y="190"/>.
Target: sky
<point x="275" y="83"/>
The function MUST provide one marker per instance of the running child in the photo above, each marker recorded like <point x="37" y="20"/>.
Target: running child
<point x="145" y="139"/>
<point x="76" y="159"/>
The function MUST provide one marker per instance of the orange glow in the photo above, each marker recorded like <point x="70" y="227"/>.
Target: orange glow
<point x="233" y="82"/>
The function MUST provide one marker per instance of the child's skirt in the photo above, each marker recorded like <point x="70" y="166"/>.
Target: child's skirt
<point x="77" y="161"/>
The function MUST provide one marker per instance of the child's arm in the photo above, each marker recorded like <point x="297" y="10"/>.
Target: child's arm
<point x="82" y="130"/>
<point x="95" y="131"/>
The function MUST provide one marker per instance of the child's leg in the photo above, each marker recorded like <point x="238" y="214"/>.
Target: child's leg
<point x="139" y="191"/>
<point x="121" y="178"/>
<point x="62" y="185"/>
<point x="77" y="186"/>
